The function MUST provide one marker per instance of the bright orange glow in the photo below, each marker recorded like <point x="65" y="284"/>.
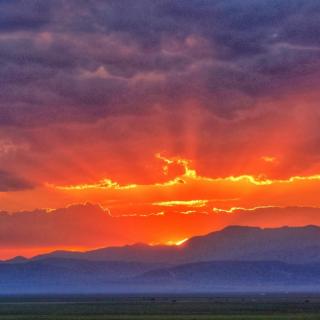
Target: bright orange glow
<point x="235" y="209"/>
<point x="189" y="174"/>
<point x="177" y="205"/>
<point x="187" y="203"/>
<point x="176" y="243"/>
<point x="102" y="184"/>
<point x="269" y="159"/>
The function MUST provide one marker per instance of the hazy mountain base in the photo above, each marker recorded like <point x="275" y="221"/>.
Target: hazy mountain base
<point x="78" y="276"/>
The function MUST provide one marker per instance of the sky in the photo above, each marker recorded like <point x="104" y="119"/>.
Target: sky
<point x="154" y="121"/>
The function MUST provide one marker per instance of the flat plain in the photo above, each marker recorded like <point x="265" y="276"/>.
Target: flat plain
<point x="219" y="307"/>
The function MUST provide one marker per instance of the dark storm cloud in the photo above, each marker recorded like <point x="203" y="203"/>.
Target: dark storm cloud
<point x="23" y="15"/>
<point x="10" y="182"/>
<point x="83" y="60"/>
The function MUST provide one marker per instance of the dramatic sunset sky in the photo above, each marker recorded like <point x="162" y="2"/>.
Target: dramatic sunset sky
<point x="128" y="121"/>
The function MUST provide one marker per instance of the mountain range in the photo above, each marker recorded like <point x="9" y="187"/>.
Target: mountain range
<point x="233" y="259"/>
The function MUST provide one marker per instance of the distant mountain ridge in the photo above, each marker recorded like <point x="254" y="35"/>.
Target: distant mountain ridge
<point x="233" y="259"/>
<point x="129" y="253"/>
<point x="286" y="244"/>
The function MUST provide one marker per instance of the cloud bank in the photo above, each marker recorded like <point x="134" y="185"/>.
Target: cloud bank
<point x="81" y="227"/>
<point x="83" y="60"/>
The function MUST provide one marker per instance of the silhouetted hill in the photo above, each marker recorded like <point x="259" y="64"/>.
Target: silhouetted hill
<point x="287" y="244"/>
<point x="233" y="259"/>
<point x="17" y="259"/>
<point x="137" y="252"/>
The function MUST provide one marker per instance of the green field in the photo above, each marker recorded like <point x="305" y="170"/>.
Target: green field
<point x="156" y="308"/>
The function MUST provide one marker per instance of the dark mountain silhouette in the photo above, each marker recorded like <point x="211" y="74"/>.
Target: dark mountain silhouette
<point x="233" y="259"/>
<point x="17" y="259"/>
<point x="287" y="244"/>
<point x="137" y="252"/>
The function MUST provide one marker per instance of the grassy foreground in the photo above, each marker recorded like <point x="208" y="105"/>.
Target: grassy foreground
<point x="157" y="308"/>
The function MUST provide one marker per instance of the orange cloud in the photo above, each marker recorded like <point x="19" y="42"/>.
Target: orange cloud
<point x="186" y="203"/>
<point x="102" y="184"/>
<point x="87" y="226"/>
<point x="189" y="176"/>
<point x="237" y="209"/>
